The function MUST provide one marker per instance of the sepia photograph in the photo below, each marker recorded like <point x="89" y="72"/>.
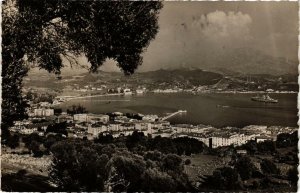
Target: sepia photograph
<point x="149" y="96"/>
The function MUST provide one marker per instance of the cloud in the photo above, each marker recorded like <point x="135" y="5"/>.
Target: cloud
<point x="198" y="40"/>
<point x="220" y="25"/>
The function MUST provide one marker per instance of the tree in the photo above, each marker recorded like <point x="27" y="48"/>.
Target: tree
<point x="245" y="167"/>
<point x="251" y="147"/>
<point x="46" y="32"/>
<point x="267" y="146"/>
<point x="34" y="147"/>
<point x="158" y="181"/>
<point x="27" y="139"/>
<point x="187" y="162"/>
<point x="78" y="166"/>
<point x="135" y="139"/>
<point x="58" y="128"/>
<point x="13" y="141"/>
<point x="51" y="139"/>
<point x="293" y="175"/>
<point x="269" y="167"/>
<point x="104" y="138"/>
<point x="126" y="172"/>
<point x="225" y="178"/>
<point x="287" y="140"/>
<point x="76" y="109"/>
<point x="86" y="166"/>
<point x="172" y="162"/>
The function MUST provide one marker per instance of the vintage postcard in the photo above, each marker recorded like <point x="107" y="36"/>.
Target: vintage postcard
<point x="149" y="96"/>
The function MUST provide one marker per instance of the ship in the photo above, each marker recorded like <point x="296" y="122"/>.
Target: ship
<point x="264" y="98"/>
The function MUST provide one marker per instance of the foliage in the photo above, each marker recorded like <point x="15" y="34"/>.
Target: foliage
<point x="58" y="128"/>
<point x="251" y="147"/>
<point x="104" y="138"/>
<point x="34" y="147"/>
<point x="267" y="146"/>
<point x="77" y="167"/>
<point x="187" y="146"/>
<point x="27" y="139"/>
<point x="57" y="111"/>
<point x="187" y="162"/>
<point x="245" y="167"/>
<point x="287" y="140"/>
<point x="269" y="167"/>
<point x="293" y="175"/>
<point x="87" y="166"/>
<point x="51" y="140"/>
<point x="135" y="139"/>
<point x="13" y="141"/>
<point x="225" y="178"/>
<point x="43" y="33"/>
<point x="137" y="142"/>
<point x="76" y="109"/>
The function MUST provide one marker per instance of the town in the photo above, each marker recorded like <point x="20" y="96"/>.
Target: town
<point x="78" y="123"/>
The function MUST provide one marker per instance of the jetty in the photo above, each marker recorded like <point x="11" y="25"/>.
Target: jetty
<point x="90" y="96"/>
<point x="173" y="114"/>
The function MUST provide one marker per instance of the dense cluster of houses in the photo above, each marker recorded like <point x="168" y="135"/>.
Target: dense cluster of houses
<point x="117" y="124"/>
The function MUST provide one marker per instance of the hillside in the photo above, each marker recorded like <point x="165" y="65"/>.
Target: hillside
<point x="250" y="61"/>
<point x="162" y="79"/>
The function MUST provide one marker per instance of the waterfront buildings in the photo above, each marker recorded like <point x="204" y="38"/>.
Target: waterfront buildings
<point x="127" y="91"/>
<point x="119" y="124"/>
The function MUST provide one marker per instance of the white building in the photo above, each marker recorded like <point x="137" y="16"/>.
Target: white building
<point x="145" y="127"/>
<point x="126" y="127"/>
<point x="151" y="118"/>
<point x="127" y="91"/>
<point x="263" y="138"/>
<point x="44" y="104"/>
<point x="140" y="91"/>
<point x="96" y="129"/>
<point x="49" y="112"/>
<point x="80" y="117"/>
<point x="235" y="140"/>
<point x="114" y="126"/>
<point x="28" y="131"/>
<point x="43" y="112"/>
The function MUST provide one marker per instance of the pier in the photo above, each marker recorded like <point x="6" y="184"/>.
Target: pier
<point x="173" y="114"/>
<point x="88" y="96"/>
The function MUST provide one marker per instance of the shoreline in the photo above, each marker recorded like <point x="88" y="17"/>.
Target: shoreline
<point x="72" y="97"/>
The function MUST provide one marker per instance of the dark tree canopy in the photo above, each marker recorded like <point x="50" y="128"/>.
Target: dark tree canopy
<point x="44" y="32"/>
<point x="86" y="166"/>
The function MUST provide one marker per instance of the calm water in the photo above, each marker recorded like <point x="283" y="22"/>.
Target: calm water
<point x="218" y="110"/>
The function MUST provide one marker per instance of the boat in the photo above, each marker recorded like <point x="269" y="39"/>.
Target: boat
<point x="264" y="98"/>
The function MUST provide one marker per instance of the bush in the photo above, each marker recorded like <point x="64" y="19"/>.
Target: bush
<point x="225" y="178"/>
<point x="268" y="167"/>
<point x="34" y="147"/>
<point x="245" y="167"/>
<point x="187" y="162"/>
<point x="13" y="141"/>
<point x="293" y="175"/>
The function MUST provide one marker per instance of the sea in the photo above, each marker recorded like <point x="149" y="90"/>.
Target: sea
<point x="215" y="109"/>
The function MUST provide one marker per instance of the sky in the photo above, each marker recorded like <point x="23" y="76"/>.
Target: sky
<point x="193" y="34"/>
